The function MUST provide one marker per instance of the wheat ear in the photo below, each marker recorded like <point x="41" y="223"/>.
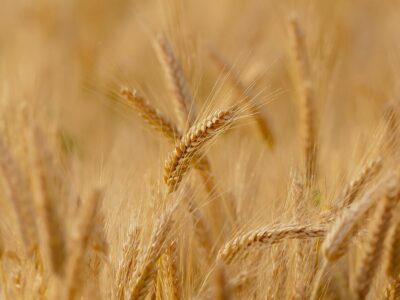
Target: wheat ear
<point x="356" y="185"/>
<point x="18" y="190"/>
<point x="392" y="256"/>
<point x="53" y="226"/>
<point x="191" y="144"/>
<point x="345" y="228"/>
<point x="152" y="116"/>
<point x="171" y="272"/>
<point x="176" y="82"/>
<point x="128" y="263"/>
<point x="241" y="90"/>
<point x="268" y="236"/>
<point x="374" y="245"/>
<point x="145" y="275"/>
<point x="79" y="246"/>
<point x="307" y="110"/>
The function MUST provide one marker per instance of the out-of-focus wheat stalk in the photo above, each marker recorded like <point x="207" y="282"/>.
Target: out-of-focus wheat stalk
<point x="145" y="274"/>
<point x="177" y="83"/>
<point x="234" y="78"/>
<point x="20" y="196"/>
<point x="47" y="198"/>
<point x="79" y="245"/>
<point x="128" y="264"/>
<point x="306" y="98"/>
<point x="373" y="247"/>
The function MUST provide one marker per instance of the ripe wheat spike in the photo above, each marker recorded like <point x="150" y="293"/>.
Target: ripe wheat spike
<point x="177" y="163"/>
<point x="373" y="249"/>
<point x="268" y="236"/>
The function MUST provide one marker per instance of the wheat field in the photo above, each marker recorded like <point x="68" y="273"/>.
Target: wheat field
<point x="178" y="149"/>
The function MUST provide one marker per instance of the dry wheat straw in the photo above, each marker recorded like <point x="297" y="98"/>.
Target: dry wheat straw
<point x="176" y="82"/>
<point x="128" y="264"/>
<point x="269" y="235"/>
<point x="20" y="197"/>
<point x="234" y="78"/>
<point x="153" y="117"/>
<point x="191" y="143"/>
<point x="373" y="248"/>
<point x="305" y="88"/>
<point x="47" y="200"/>
<point x="80" y="240"/>
<point x="145" y="275"/>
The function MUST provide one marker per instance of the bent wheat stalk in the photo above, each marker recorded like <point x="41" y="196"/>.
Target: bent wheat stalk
<point x="268" y="236"/>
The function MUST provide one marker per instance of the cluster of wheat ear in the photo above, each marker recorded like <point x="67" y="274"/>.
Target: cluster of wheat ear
<point x="210" y="187"/>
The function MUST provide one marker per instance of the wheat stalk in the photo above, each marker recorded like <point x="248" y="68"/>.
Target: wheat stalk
<point x="191" y="143"/>
<point x="176" y="82"/>
<point x="171" y="272"/>
<point x="79" y="245"/>
<point x="268" y="236"/>
<point x="152" y="116"/>
<point x="19" y="194"/>
<point x="373" y="247"/>
<point x="241" y="90"/>
<point x="145" y="275"/>
<point x="307" y="110"/>
<point x="52" y="225"/>
<point x="366" y="175"/>
<point x="128" y="264"/>
<point x="344" y="229"/>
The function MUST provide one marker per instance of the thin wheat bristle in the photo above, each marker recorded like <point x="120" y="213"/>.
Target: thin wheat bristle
<point x="20" y="197"/>
<point x="269" y="236"/>
<point x="128" y="264"/>
<point x="145" y="275"/>
<point x="47" y="197"/>
<point x="306" y="95"/>
<point x="79" y="245"/>
<point x="234" y="78"/>
<point x="153" y="117"/>
<point x="176" y="82"/>
<point x="373" y="247"/>
<point x="191" y="143"/>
